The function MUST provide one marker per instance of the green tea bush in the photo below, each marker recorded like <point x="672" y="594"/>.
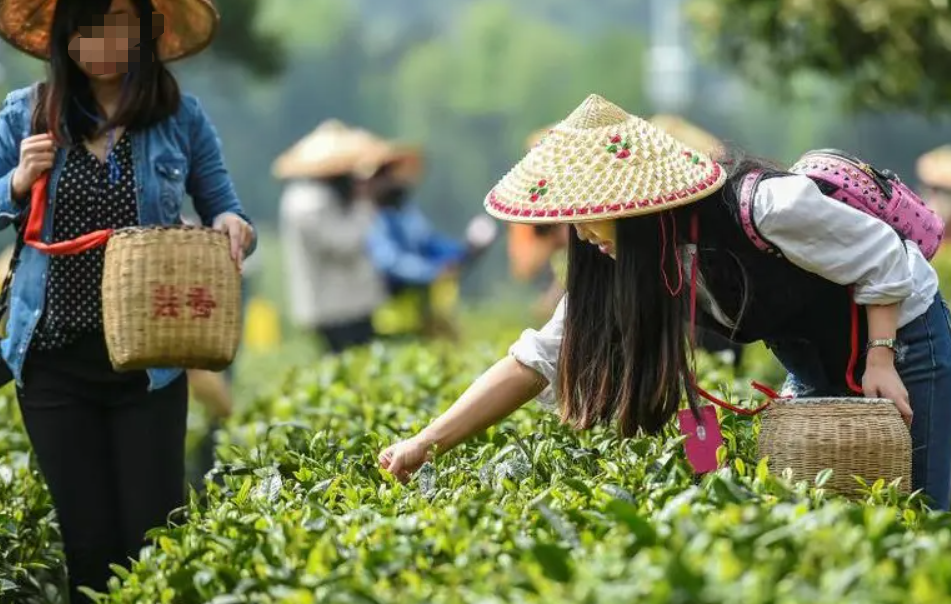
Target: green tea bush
<point x="31" y="559"/>
<point x="297" y="510"/>
<point x="528" y="512"/>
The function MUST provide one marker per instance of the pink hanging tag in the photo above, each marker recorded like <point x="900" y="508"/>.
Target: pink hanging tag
<point x="702" y="440"/>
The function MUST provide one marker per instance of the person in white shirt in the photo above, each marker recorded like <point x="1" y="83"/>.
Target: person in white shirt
<point x="334" y="288"/>
<point x="326" y="218"/>
<point x="659" y="234"/>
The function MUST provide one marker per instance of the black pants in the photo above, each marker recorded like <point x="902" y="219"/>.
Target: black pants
<point x="112" y="454"/>
<point x="348" y="335"/>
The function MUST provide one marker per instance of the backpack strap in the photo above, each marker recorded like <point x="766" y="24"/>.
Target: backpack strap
<point x="747" y="197"/>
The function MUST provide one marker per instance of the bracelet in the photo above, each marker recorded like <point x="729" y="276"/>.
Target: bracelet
<point x="890" y="343"/>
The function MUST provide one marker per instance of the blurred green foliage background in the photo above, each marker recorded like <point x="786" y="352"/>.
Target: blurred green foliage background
<point x="470" y="79"/>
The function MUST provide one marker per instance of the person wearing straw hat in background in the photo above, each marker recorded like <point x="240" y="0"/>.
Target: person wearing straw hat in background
<point x="934" y="174"/>
<point x="420" y="266"/>
<point x="537" y="252"/>
<point x="325" y="225"/>
<point x="660" y="236"/>
<point x="109" y="141"/>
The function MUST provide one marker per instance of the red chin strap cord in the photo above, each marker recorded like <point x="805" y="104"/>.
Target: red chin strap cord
<point x="769" y="392"/>
<point x="32" y="235"/>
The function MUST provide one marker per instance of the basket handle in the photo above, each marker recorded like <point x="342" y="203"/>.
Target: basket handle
<point x="32" y="235"/>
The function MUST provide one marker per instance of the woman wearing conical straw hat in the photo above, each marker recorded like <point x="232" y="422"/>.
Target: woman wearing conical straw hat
<point x="326" y="219"/>
<point x="110" y="142"/>
<point x="665" y="231"/>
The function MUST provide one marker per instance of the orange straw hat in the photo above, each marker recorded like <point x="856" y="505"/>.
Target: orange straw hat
<point x="688" y="133"/>
<point x="407" y="160"/>
<point x="332" y="149"/>
<point x="934" y="168"/>
<point x="601" y="163"/>
<point x="529" y="252"/>
<point x="189" y="26"/>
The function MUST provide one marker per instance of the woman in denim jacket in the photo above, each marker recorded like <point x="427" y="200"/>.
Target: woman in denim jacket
<point x="122" y="147"/>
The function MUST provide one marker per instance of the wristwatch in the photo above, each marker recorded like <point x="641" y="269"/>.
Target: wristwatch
<point x="883" y="343"/>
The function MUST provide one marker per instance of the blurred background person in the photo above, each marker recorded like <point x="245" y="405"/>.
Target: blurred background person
<point x="6" y="261"/>
<point x="419" y="265"/>
<point x="537" y="253"/>
<point x="934" y="172"/>
<point x="934" y="175"/>
<point x="325" y="225"/>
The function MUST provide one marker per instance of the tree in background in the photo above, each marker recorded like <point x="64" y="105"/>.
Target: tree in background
<point x="242" y="41"/>
<point x="886" y="54"/>
<point x="473" y="93"/>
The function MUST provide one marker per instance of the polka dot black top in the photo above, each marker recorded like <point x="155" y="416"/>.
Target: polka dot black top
<point x="86" y="201"/>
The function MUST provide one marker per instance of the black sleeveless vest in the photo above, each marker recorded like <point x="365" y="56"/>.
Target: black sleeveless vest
<point x="770" y="298"/>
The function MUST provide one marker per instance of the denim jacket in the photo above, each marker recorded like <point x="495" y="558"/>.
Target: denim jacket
<point x="180" y="155"/>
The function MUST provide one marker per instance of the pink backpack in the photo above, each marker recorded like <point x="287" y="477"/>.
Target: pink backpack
<point x="877" y="193"/>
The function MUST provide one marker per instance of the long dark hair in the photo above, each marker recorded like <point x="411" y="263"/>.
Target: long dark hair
<point x="65" y="106"/>
<point x="625" y="353"/>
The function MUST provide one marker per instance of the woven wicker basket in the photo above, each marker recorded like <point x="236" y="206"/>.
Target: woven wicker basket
<point x="852" y="436"/>
<point x="171" y="297"/>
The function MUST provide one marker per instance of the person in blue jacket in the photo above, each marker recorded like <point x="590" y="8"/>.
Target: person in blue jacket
<point x="121" y="146"/>
<point x="411" y="255"/>
<point x="403" y="245"/>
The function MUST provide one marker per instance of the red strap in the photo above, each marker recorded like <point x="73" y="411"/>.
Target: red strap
<point x="740" y="410"/>
<point x="663" y="256"/>
<point x="34" y="228"/>
<point x="854" y="356"/>
<point x="769" y="392"/>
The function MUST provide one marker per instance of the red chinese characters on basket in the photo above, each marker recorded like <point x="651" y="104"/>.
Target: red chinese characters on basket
<point x="167" y="302"/>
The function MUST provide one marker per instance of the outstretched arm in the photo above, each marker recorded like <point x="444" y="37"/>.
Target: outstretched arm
<point x="527" y="373"/>
<point x="495" y="395"/>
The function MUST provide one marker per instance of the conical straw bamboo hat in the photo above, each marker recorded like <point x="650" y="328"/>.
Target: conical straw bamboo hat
<point x="600" y="163"/>
<point x="332" y="149"/>
<point x="189" y="26"/>
<point x="934" y="168"/>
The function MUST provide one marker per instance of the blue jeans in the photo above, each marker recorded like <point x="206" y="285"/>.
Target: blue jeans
<point x="924" y="365"/>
